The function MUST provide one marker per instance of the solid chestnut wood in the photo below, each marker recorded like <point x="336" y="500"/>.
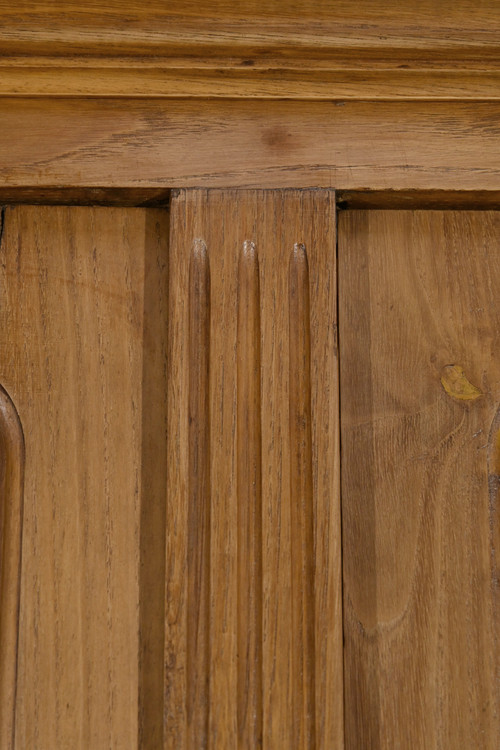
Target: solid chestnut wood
<point x="420" y="393"/>
<point x="253" y="653"/>
<point x="396" y="106"/>
<point x="315" y="49"/>
<point x="107" y="143"/>
<point x="83" y="341"/>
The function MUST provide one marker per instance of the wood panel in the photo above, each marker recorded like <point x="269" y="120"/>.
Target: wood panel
<point x="347" y="145"/>
<point x="420" y="383"/>
<point x="253" y="642"/>
<point x="82" y="334"/>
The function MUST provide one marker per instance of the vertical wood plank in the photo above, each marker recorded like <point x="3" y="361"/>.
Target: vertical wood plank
<point x="12" y="467"/>
<point x="420" y="379"/>
<point x="275" y="601"/>
<point x="75" y="347"/>
<point x="153" y="480"/>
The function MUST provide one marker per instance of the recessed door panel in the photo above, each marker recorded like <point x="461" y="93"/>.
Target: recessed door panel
<point x="420" y="426"/>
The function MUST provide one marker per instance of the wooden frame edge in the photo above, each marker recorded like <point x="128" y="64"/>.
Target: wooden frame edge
<point x="476" y="200"/>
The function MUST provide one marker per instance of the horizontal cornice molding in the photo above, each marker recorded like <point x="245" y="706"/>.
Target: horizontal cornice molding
<point x="277" y="50"/>
<point x="146" y="79"/>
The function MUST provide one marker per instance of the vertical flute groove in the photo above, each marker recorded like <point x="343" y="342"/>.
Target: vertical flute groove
<point x="249" y="484"/>
<point x="198" y="556"/>
<point x="11" y="523"/>
<point x="301" y="497"/>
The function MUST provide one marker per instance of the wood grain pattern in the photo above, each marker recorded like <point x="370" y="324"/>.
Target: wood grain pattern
<point x="198" y="544"/>
<point x="249" y="489"/>
<point x="314" y="27"/>
<point x="265" y="435"/>
<point x="152" y="228"/>
<point x="82" y="312"/>
<point x="228" y="80"/>
<point x="12" y="460"/>
<point x="420" y="384"/>
<point x="301" y="503"/>
<point x="348" y="145"/>
<point x="283" y="49"/>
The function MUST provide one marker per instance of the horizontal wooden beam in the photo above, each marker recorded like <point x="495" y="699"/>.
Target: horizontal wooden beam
<point x="122" y="143"/>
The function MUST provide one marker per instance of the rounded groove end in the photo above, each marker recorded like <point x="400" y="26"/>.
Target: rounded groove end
<point x="199" y="248"/>
<point x="249" y="250"/>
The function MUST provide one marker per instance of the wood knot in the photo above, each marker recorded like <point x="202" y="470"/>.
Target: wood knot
<point x="457" y="385"/>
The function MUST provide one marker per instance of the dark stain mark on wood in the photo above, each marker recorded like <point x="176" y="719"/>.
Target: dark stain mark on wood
<point x="277" y="137"/>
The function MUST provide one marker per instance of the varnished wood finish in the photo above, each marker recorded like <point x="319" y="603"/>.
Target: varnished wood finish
<point x="11" y="524"/>
<point x="249" y="489"/>
<point x="118" y="105"/>
<point x="274" y="572"/>
<point x="420" y="385"/>
<point x="242" y="79"/>
<point x="314" y="49"/>
<point x="316" y="28"/>
<point x="301" y="502"/>
<point x="82" y="334"/>
<point x="351" y="145"/>
<point x="151" y="240"/>
<point x="198" y="522"/>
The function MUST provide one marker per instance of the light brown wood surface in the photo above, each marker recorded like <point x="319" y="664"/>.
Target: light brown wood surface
<point x="82" y="335"/>
<point x="318" y="28"/>
<point x="11" y="519"/>
<point x="347" y="145"/>
<point x="420" y="393"/>
<point x="167" y="79"/>
<point x="253" y="654"/>
<point x="315" y="49"/>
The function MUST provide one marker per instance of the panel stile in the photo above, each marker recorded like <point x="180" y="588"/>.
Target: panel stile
<point x="274" y="626"/>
